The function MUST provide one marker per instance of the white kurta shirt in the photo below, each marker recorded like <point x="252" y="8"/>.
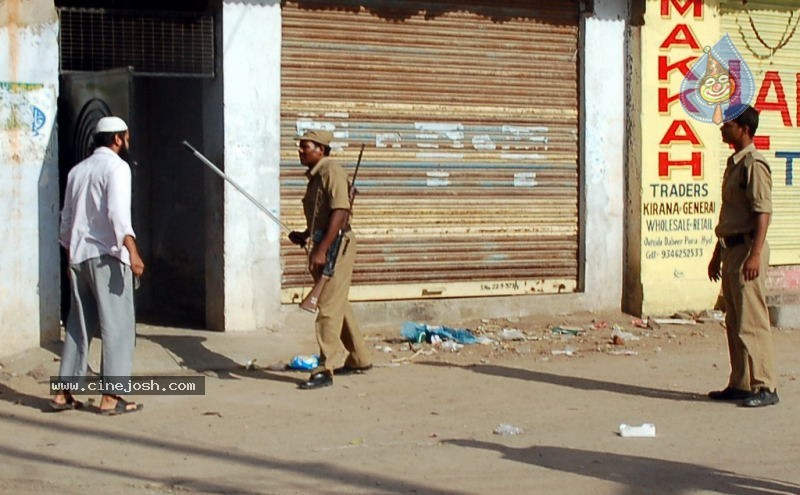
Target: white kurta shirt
<point x="97" y="208"/>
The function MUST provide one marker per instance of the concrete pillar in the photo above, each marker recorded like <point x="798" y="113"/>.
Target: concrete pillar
<point x="251" y="50"/>
<point x="29" y="205"/>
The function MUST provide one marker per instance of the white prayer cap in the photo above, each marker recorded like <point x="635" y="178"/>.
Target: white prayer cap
<point x="111" y="124"/>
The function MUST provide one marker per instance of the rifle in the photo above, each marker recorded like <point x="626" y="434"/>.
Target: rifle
<point x="309" y="303"/>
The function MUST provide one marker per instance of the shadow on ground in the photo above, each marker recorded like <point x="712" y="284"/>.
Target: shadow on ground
<point x="638" y="474"/>
<point x="575" y="382"/>
<point x="8" y="394"/>
<point x="308" y="471"/>
<point x="191" y="353"/>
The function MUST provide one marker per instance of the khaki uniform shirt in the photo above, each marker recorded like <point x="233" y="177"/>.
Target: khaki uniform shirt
<point x="327" y="190"/>
<point x="746" y="191"/>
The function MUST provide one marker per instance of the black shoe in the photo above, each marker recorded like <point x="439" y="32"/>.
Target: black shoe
<point x="317" y="380"/>
<point x="349" y="370"/>
<point x="762" y="397"/>
<point x="729" y="393"/>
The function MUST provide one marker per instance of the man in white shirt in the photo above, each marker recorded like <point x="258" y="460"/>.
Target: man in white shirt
<point x="97" y="233"/>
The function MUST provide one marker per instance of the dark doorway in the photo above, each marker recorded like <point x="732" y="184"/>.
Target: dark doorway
<point x="168" y="186"/>
<point x="165" y="100"/>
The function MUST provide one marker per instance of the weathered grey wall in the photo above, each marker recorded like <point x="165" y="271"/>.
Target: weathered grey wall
<point x="251" y="50"/>
<point x="29" y="256"/>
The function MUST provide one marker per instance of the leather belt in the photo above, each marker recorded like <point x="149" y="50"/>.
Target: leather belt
<point x="732" y="240"/>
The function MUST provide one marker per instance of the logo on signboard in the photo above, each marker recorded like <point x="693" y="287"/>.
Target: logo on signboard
<point x="719" y="85"/>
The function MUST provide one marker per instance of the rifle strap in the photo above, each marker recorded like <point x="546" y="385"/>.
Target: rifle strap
<point x="317" y="201"/>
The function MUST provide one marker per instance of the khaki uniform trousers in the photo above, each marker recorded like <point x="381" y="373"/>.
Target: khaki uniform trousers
<point x="336" y="327"/>
<point x="747" y="321"/>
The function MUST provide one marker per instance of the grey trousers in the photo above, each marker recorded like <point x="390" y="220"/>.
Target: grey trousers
<point x="102" y="306"/>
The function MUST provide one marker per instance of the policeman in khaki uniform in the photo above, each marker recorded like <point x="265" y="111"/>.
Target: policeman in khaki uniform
<point x="741" y="259"/>
<point x="326" y="205"/>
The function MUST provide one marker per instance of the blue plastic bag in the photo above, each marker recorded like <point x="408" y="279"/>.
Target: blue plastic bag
<point x="422" y="332"/>
<point x="304" y="362"/>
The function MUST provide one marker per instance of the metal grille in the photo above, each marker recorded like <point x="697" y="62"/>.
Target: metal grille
<point x="167" y="44"/>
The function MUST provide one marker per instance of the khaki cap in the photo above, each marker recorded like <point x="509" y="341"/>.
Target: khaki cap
<point x="318" y="136"/>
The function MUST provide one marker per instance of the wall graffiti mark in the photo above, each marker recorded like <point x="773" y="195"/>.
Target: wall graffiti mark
<point x="39" y="118"/>
<point x="17" y="110"/>
<point x="19" y="86"/>
<point x="24" y="110"/>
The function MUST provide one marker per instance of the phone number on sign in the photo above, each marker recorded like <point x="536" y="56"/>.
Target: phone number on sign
<point x="682" y="253"/>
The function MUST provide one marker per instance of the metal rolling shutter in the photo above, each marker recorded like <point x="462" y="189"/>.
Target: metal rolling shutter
<point x="469" y="182"/>
<point x="774" y="22"/>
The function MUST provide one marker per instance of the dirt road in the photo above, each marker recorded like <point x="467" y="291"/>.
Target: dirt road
<point x="422" y="421"/>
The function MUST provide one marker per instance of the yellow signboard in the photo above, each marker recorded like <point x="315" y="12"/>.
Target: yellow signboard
<point x="700" y="60"/>
<point x="679" y="161"/>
